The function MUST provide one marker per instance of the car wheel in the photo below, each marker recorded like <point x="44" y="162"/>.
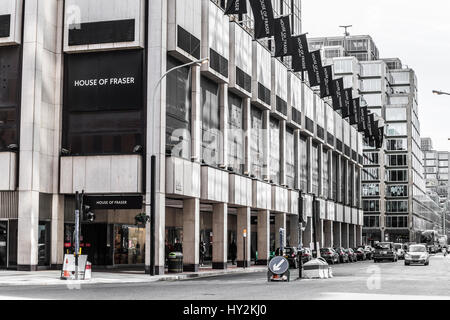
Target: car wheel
<point x="406" y="263"/>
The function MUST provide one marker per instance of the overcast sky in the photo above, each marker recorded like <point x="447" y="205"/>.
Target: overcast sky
<point x="417" y="32"/>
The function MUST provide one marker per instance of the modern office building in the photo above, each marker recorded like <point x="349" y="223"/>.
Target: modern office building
<point x="436" y="169"/>
<point x="238" y="140"/>
<point x="395" y="204"/>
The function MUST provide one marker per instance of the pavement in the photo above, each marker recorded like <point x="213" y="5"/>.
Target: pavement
<point x="52" y="278"/>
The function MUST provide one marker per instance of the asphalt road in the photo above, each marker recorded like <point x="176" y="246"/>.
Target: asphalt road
<point x="362" y="280"/>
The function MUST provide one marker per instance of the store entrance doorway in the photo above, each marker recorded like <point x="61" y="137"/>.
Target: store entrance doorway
<point x="3" y="244"/>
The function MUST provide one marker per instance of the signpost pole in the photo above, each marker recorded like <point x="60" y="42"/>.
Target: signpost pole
<point x="152" y="215"/>
<point x="245" y="255"/>
<point x="77" y="232"/>
<point x="314" y="219"/>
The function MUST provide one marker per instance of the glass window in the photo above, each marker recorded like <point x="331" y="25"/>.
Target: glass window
<point x="256" y="143"/>
<point x="235" y="133"/>
<point x="371" y="205"/>
<point x="396" y="191"/>
<point x="178" y="110"/>
<point x="397" y="175"/>
<point x="397" y="206"/>
<point x="371" y="189"/>
<point x="396" y="222"/>
<point x="373" y="100"/>
<point x="371" y="70"/>
<point x="370" y="174"/>
<point x="370" y="158"/>
<point x="371" y="221"/>
<point x="325" y="173"/>
<point x="397" y="129"/>
<point x="397" y="145"/>
<point x="304" y="164"/>
<point x="315" y="169"/>
<point x="371" y="85"/>
<point x="274" y="153"/>
<point x="396" y="114"/>
<point x="210" y="122"/>
<point x="129" y="245"/>
<point x="290" y="158"/>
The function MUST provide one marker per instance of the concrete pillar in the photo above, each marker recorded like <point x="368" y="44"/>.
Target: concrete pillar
<point x="263" y="237"/>
<point x="280" y="222"/>
<point x="297" y="158"/>
<point x="243" y="223"/>
<point x="191" y="234"/>
<point x="156" y="135"/>
<point x="220" y="236"/>
<point x="352" y="235"/>
<point x="196" y="115"/>
<point x="266" y="144"/>
<point x="223" y="105"/>
<point x="247" y="125"/>
<point x="283" y="152"/>
<point x="345" y="235"/>
<point x="293" y="231"/>
<point x="359" y="240"/>
<point x="27" y="234"/>
<point x="328" y="233"/>
<point x="308" y="234"/>
<point x="57" y="232"/>
<point x="337" y="234"/>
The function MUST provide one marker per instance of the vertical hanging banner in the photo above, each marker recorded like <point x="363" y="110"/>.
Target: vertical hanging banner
<point x="264" y="19"/>
<point x="326" y="84"/>
<point x="359" y="112"/>
<point x="314" y="66"/>
<point x="354" y="117"/>
<point x="300" y="52"/>
<point x="338" y="93"/>
<point x="380" y="137"/>
<point x="348" y="103"/>
<point x="236" y="7"/>
<point x="282" y="35"/>
<point x="367" y="127"/>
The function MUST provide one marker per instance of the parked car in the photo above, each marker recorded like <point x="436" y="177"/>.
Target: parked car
<point x="360" y="254"/>
<point x="352" y="257"/>
<point x="329" y="255"/>
<point x="368" y="251"/>
<point x="306" y="255"/>
<point x="343" y="256"/>
<point x="291" y="254"/>
<point x="417" y="253"/>
<point x="385" y="251"/>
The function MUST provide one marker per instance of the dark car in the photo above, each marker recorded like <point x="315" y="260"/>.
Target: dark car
<point x="343" y="256"/>
<point x="329" y="255"/>
<point x="306" y="255"/>
<point x="352" y="257"/>
<point x="385" y="251"/>
<point x="360" y="254"/>
<point x="291" y="254"/>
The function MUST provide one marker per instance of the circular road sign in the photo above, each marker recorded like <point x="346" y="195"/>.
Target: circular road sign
<point x="279" y="265"/>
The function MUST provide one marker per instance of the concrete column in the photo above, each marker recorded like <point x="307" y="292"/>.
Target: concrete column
<point x="337" y="234"/>
<point x="309" y="155"/>
<point x="243" y="223"/>
<point x="359" y="240"/>
<point x="196" y="115"/>
<point x="297" y="158"/>
<point x="28" y="225"/>
<point x="263" y="237"/>
<point x="308" y="234"/>
<point x="266" y="144"/>
<point x="280" y="222"/>
<point x="293" y="231"/>
<point x="247" y="125"/>
<point x="352" y="235"/>
<point x="191" y="234"/>
<point x="345" y="235"/>
<point x="156" y="133"/>
<point x="57" y="232"/>
<point x="283" y="152"/>
<point x="328" y="233"/>
<point x="223" y="104"/>
<point x="220" y="236"/>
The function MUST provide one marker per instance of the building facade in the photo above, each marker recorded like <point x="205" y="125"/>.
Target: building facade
<point x="436" y="169"/>
<point x="396" y="207"/>
<point x="239" y="140"/>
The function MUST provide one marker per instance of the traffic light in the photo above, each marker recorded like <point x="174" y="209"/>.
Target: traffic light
<point x="88" y="215"/>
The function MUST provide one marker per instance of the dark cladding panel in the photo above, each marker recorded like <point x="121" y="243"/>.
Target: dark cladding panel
<point x="5" y="26"/>
<point x="102" y="32"/>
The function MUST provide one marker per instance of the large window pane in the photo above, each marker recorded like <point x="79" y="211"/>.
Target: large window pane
<point x="235" y="134"/>
<point x="210" y="122"/>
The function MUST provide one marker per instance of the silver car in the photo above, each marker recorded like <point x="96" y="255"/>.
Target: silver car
<point x="417" y="254"/>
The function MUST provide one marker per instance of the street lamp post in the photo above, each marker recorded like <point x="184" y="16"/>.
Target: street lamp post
<point x="440" y="93"/>
<point x="153" y="168"/>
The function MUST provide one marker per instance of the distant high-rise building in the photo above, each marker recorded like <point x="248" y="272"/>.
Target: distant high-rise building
<point x="396" y="207"/>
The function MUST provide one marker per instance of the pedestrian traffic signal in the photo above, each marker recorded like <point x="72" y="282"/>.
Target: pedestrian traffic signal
<point x="88" y="215"/>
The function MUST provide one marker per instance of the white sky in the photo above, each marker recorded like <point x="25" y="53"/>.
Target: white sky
<point x="417" y="32"/>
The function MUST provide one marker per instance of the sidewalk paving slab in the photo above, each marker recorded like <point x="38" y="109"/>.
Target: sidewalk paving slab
<point x="52" y="278"/>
